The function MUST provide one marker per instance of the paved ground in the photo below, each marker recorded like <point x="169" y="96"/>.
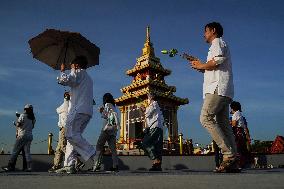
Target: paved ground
<point x="250" y="179"/>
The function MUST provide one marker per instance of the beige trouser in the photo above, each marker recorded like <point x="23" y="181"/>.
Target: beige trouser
<point x="215" y="118"/>
<point x="60" y="149"/>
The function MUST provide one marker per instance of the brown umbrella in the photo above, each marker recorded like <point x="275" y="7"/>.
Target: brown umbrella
<point x="55" y="47"/>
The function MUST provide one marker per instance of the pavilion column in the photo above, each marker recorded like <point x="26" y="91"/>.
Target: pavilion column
<point x="175" y="123"/>
<point x="170" y="124"/>
<point x="122" y="123"/>
<point x="127" y="117"/>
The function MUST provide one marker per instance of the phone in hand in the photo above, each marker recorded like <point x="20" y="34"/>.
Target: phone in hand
<point x="18" y="114"/>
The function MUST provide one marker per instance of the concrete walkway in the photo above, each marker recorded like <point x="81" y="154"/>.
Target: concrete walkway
<point x="173" y="179"/>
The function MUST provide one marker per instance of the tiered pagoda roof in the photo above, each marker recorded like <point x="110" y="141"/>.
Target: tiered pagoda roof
<point x="148" y="77"/>
<point x="153" y="63"/>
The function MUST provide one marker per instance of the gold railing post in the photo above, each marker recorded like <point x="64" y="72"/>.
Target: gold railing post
<point x="50" y="150"/>
<point x="180" y="144"/>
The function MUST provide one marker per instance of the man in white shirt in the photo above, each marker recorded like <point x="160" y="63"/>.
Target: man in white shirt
<point x="218" y="92"/>
<point x="79" y="114"/>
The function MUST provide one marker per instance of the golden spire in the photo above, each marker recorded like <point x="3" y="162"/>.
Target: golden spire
<point x="148" y="46"/>
<point x="148" y="35"/>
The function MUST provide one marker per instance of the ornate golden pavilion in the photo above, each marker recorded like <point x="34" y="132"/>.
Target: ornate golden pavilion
<point x="148" y="77"/>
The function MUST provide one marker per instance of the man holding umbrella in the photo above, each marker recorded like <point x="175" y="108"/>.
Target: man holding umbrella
<point x="80" y="113"/>
<point x="55" y="48"/>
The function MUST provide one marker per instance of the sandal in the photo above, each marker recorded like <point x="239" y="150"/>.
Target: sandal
<point x="228" y="166"/>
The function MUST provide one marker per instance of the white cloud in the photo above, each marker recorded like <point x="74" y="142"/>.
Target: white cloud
<point x="5" y="112"/>
<point x="7" y="73"/>
<point x="3" y="74"/>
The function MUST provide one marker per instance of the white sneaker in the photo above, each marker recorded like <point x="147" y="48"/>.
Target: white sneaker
<point x="66" y="169"/>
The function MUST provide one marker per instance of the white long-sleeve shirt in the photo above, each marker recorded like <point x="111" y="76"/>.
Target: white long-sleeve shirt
<point x="81" y="90"/>
<point x="153" y="115"/>
<point x="25" y="126"/>
<point x="62" y="112"/>
<point x="222" y="76"/>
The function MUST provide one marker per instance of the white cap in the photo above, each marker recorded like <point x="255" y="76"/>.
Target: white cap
<point x="28" y="106"/>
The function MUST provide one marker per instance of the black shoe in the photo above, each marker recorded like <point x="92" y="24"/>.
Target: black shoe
<point x="235" y="170"/>
<point x="114" y="169"/>
<point x="138" y="145"/>
<point x="156" y="167"/>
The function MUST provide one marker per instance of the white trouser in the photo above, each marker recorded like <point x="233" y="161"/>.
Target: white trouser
<point x="76" y="144"/>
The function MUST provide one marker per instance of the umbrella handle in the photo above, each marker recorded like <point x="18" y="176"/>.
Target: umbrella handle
<point x="67" y="43"/>
<point x="65" y="53"/>
<point x="62" y="67"/>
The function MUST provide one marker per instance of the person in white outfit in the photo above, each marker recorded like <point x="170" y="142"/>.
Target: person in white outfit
<point x="80" y="113"/>
<point x="25" y="125"/>
<point x="62" y="112"/>
<point x="152" y="142"/>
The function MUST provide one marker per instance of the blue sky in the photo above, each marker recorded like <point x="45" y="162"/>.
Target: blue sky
<point x="253" y="29"/>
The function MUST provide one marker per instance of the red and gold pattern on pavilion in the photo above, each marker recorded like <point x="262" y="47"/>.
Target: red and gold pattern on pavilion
<point x="148" y="77"/>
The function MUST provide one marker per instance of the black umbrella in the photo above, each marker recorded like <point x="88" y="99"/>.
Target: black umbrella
<point x="55" y="47"/>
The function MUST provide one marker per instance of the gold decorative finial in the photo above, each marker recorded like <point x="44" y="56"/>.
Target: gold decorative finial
<point x="148" y="46"/>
